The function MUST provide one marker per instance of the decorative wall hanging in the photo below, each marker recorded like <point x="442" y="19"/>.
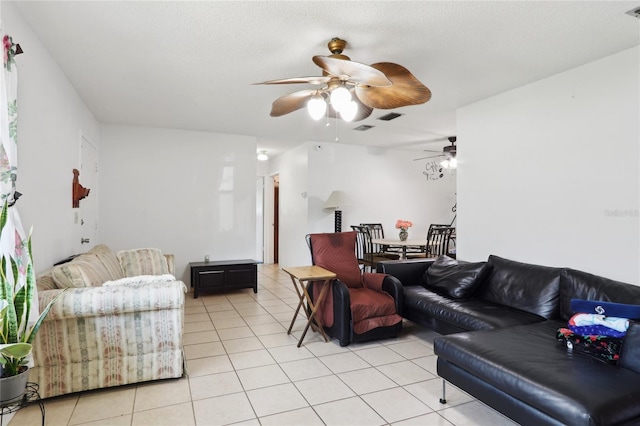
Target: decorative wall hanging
<point x="79" y="191"/>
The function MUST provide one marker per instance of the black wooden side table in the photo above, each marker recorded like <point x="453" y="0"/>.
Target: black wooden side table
<point x="224" y="275"/>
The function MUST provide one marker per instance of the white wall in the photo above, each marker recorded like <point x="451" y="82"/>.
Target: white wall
<point x="188" y="193"/>
<point x="549" y="172"/>
<point x="383" y="185"/>
<point x="292" y="166"/>
<point x="51" y="118"/>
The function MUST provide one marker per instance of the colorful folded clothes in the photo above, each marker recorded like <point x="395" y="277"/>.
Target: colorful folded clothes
<point x="593" y="324"/>
<point x="601" y="348"/>
<point x="609" y="309"/>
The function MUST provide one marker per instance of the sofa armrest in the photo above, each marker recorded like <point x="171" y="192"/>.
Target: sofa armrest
<point x="171" y="263"/>
<point x="113" y="300"/>
<point x="408" y="272"/>
<point x="630" y="351"/>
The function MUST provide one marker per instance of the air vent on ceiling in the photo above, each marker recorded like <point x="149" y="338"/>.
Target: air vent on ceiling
<point x="390" y="116"/>
<point x="635" y="12"/>
<point x="363" y="127"/>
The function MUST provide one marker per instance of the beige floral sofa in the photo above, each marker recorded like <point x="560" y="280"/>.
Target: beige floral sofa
<point x="119" y="321"/>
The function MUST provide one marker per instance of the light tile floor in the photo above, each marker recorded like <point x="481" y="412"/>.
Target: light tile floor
<point x="243" y="369"/>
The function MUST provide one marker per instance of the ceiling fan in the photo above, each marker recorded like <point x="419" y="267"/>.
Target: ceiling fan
<point x="349" y="89"/>
<point x="448" y="151"/>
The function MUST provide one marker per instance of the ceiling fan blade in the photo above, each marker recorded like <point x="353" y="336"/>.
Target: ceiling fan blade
<point x="425" y="158"/>
<point x="318" y="80"/>
<point x="363" y="110"/>
<point x="406" y="89"/>
<point x="291" y="102"/>
<point x="352" y="71"/>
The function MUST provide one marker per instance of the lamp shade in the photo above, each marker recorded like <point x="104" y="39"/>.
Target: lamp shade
<point x="337" y="200"/>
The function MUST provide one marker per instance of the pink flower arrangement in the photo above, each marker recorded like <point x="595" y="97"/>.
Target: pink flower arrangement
<point x="404" y="224"/>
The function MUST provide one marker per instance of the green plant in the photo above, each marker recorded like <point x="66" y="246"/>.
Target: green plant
<point x="16" y="298"/>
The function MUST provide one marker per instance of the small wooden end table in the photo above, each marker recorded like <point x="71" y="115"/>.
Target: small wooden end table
<point x="301" y="276"/>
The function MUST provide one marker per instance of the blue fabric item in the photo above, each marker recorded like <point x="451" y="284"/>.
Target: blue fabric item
<point x="596" y="330"/>
<point x="608" y="309"/>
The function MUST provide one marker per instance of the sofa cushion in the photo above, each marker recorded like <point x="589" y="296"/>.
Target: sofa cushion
<point x="109" y="260"/>
<point x="84" y="271"/>
<point x="44" y="280"/>
<point x="528" y="363"/>
<point x="583" y="285"/>
<point x="463" y="314"/>
<point x="143" y="261"/>
<point x="630" y="352"/>
<point x="531" y="288"/>
<point x="454" y="278"/>
<point x="140" y="279"/>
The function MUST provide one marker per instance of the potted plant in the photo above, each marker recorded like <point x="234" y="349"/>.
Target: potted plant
<point x="16" y="334"/>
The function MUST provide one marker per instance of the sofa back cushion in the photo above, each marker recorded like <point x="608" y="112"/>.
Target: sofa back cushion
<point x="44" y="280"/>
<point x="630" y="351"/>
<point x="143" y="261"/>
<point x="531" y="288"/>
<point x="84" y="271"/>
<point x="109" y="261"/>
<point x="583" y="285"/>
<point x="454" y="278"/>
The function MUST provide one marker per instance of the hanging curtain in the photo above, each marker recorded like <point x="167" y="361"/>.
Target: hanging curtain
<point x="13" y="240"/>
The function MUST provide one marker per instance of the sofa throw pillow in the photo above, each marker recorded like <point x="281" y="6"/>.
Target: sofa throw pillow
<point x="143" y="261"/>
<point x="140" y="279"/>
<point x="454" y="278"/>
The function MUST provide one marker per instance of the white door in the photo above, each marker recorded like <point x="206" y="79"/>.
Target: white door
<point x="88" y="212"/>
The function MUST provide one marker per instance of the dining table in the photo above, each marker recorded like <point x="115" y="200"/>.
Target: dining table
<point x="402" y="245"/>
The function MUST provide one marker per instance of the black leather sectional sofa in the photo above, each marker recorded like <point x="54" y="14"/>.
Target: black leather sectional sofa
<point x="500" y="319"/>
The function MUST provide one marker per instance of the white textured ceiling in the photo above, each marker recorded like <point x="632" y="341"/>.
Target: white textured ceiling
<point x="191" y="65"/>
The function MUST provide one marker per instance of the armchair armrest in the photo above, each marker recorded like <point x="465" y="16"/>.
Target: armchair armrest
<point x="388" y="284"/>
<point x="408" y="272"/>
<point x="341" y="321"/>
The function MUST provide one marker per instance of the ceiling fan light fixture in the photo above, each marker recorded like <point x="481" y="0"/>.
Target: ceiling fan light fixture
<point x="449" y="163"/>
<point x="340" y="98"/>
<point x="316" y="106"/>
<point x="349" y="112"/>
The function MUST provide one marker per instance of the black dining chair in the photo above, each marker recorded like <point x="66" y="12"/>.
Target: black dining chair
<point x="377" y="231"/>
<point x="439" y="238"/>
<point x="365" y="253"/>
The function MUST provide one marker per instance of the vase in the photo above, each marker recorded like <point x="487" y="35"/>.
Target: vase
<point x="404" y="235"/>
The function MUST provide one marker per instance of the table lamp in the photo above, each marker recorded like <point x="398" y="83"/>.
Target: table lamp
<point x="336" y="201"/>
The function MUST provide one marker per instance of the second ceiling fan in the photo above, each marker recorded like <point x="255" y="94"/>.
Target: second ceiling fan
<point x="448" y="151"/>
<point x="350" y="89"/>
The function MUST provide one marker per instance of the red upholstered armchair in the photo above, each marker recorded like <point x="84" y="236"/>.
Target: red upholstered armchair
<point x="361" y="306"/>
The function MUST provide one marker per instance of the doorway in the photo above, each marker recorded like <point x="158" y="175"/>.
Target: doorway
<point x="276" y="209"/>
